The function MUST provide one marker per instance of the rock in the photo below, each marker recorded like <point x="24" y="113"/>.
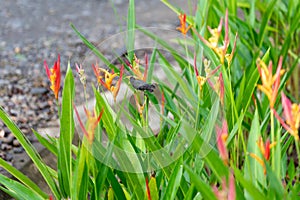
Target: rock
<point x="9" y="157"/>
<point x="14" y="112"/>
<point x="38" y="91"/>
<point x="18" y="149"/>
<point x="6" y="147"/>
<point x="8" y="139"/>
<point x="43" y="105"/>
<point x="2" y="133"/>
<point x="16" y="143"/>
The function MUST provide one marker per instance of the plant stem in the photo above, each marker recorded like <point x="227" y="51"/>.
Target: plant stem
<point x="58" y="108"/>
<point x="272" y="140"/>
<point x="298" y="151"/>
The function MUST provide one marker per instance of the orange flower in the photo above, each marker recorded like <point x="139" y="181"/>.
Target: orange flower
<point x="291" y="113"/>
<point x="108" y="78"/>
<point x="200" y="79"/>
<point x="265" y="149"/>
<point x="92" y="123"/>
<point x="54" y="76"/>
<point x="138" y="105"/>
<point x="115" y="89"/>
<point x="270" y="83"/>
<point x="222" y="134"/>
<point x="135" y="67"/>
<point x="213" y="41"/>
<point x="182" y="28"/>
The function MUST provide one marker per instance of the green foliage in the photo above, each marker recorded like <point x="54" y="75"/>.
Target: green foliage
<point x="205" y="143"/>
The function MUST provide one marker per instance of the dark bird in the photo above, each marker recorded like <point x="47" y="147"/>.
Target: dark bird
<point x="141" y="85"/>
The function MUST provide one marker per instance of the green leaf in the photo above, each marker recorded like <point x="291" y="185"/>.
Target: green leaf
<point x="206" y="151"/>
<point x="108" y="116"/>
<point x="275" y="190"/>
<point x="64" y="165"/>
<point x="130" y="30"/>
<point x="151" y="65"/>
<point x="22" y="178"/>
<point x="201" y="185"/>
<point x="174" y="75"/>
<point x="117" y="188"/>
<point x="81" y="176"/>
<point x="153" y="189"/>
<point x="248" y="185"/>
<point x="174" y="181"/>
<point x="31" y="151"/>
<point x="265" y="20"/>
<point x="46" y="143"/>
<point x="17" y="190"/>
<point x="253" y="171"/>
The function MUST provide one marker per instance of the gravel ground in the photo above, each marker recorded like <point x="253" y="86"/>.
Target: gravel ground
<point x="33" y="31"/>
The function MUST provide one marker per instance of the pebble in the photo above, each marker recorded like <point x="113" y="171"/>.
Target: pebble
<point x="2" y="133"/>
<point x="16" y="143"/>
<point x="8" y="139"/>
<point x="18" y="150"/>
<point x="9" y="157"/>
<point x="6" y="147"/>
<point x="38" y="91"/>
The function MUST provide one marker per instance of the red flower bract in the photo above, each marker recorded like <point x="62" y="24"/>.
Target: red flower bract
<point x="54" y="76"/>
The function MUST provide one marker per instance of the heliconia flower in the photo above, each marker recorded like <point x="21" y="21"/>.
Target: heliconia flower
<point x="229" y="57"/>
<point x="200" y="79"/>
<point x="222" y="134"/>
<point x="265" y="149"/>
<point x="81" y="74"/>
<point x="108" y="78"/>
<point x="270" y="83"/>
<point x="138" y="105"/>
<point x="97" y="73"/>
<point x="92" y="123"/>
<point x="182" y="28"/>
<point x="213" y="41"/>
<point x="136" y="68"/>
<point x="209" y="73"/>
<point x="291" y="114"/>
<point x="218" y="87"/>
<point x="227" y="192"/>
<point x="115" y="89"/>
<point x="54" y="76"/>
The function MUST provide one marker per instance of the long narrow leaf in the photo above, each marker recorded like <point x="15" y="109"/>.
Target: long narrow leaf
<point x="66" y="136"/>
<point x="31" y="151"/>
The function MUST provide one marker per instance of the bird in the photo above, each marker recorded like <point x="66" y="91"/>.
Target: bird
<point x="141" y="85"/>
